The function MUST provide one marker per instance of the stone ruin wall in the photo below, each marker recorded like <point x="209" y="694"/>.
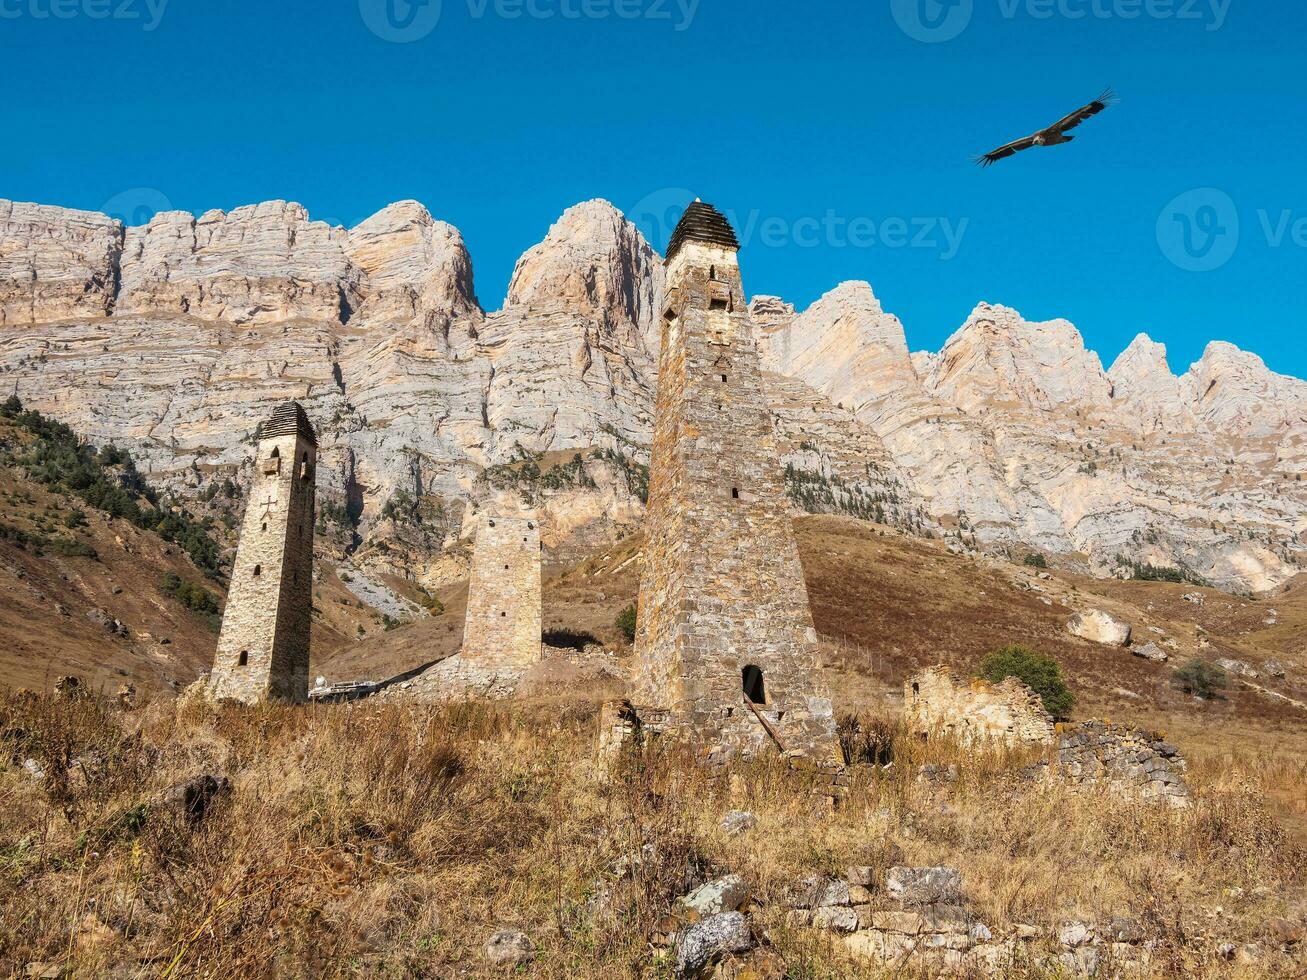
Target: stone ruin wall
<point x="937" y="703"/>
<point x="263" y="647"/>
<point x="1127" y="760"/>
<point x="502" y="630"/>
<point x="722" y="588"/>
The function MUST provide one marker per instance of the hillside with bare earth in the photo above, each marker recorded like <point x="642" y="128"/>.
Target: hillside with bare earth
<point x="175" y="339"/>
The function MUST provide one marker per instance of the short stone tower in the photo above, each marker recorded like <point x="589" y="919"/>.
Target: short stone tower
<point x="263" y="651"/>
<point x="725" y="644"/>
<point x="502" y="629"/>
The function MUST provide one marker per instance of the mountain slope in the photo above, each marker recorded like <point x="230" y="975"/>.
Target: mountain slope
<point x="176" y="338"/>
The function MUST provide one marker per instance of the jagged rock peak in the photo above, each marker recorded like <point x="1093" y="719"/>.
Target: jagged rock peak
<point x="770" y="313"/>
<point x="414" y="265"/>
<point x="593" y="261"/>
<point x="844" y="345"/>
<point x="1144" y="388"/>
<point x="1233" y="390"/>
<point x="999" y="358"/>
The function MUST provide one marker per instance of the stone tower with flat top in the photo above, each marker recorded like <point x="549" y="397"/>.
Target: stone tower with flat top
<point x="263" y="650"/>
<point x="502" y="628"/>
<point x="726" y="649"/>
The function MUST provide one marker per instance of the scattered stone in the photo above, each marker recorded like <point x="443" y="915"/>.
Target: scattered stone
<point x="722" y="895"/>
<point x="33" y="769"/>
<point x="1123" y="692"/>
<point x="1239" y="668"/>
<point x="737" y="822"/>
<point x="709" y="939"/>
<point x="126" y="696"/>
<point x="863" y="875"/>
<point x="1098" y="626"/>
<point x="508" y="947"/>
<point x="70" y="686"/>
<point x="1151" y="651"/>
<point x="1125" y="930"/>
<point x="1074" y="934"/>
<point x="914" y="887"/>
<point x="1285" y="931"/>
<point x="1195" y="598"/>
<point x="1024" y="930"/>
<point x="1273" y="668"/>
<point x="835" y="919"/>
<point x="41" y="970"/>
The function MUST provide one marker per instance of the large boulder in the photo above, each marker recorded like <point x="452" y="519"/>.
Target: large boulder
<point x="1100" y="627"/>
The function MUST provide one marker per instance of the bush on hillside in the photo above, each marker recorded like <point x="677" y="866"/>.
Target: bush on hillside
<point x="1201" y="679"/>
<point x="1041" y="674"/>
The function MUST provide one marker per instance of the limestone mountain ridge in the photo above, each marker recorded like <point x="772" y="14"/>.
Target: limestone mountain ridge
<point x="174" y="339"/>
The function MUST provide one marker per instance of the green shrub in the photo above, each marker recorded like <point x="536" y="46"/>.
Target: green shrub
<point x="1035" y="560"/>
<point x="194" y="597"/>
<point x="75" y="518"/>
<point x="1201" y="679"/>
<point x="1042" y="674"/>
<point x="626" y="622"/>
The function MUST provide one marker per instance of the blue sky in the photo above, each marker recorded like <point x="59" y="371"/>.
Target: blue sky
<point x="839" y="134"/>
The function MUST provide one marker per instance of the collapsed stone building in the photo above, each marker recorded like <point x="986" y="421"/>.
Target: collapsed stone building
<point x="263" y="647"/>
<point x="726" y="652"/>
<point x="1126" y="760"/>
<point x="502" y="629"/>
<point x="937" y="703"/>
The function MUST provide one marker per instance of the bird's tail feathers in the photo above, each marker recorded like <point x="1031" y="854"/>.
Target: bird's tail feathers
<point x="1109" y="97"/>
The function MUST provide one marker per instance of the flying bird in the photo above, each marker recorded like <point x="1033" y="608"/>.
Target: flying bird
<point x="1054" y="134"/>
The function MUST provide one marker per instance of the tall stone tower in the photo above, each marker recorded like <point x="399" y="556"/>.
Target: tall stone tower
<point x="502" y="629"/>
<point x="725" y="642"/>
<point x="263" y="651"/>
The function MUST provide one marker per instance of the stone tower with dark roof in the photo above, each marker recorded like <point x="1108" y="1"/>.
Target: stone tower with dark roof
<point x="263" y="650"/>
<point x="725" y="645"/>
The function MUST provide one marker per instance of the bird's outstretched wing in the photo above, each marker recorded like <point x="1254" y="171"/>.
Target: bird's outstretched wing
<point x="1084" y="112"/>
<point x="1003" y="152"/>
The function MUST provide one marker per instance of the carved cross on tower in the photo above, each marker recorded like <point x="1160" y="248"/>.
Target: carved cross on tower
<point x="268" y="505"/>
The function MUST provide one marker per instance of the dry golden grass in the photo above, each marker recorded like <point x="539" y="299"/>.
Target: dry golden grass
<point x="383" y="839"/>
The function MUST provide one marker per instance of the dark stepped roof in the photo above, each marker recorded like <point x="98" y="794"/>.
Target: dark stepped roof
<point x="289" y="419"/>
<point x="702" y="223"/>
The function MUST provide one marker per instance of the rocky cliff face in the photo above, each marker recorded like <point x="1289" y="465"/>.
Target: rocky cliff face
<point x="176" y="339"/>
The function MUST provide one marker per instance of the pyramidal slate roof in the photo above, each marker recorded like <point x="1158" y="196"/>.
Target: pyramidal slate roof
<point x="289" y="419"/>
<point x="702" y="223"/>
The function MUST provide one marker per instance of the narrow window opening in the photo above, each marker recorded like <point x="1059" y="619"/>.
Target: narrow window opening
<point x="718" y="304"/>
<point x="276" y="452"/>
<point x="754" y="688"/>
<point x="265" y="525"/>
<point x="916" y="688"/>
<point x="244" y="659"/>
<point x="258" y="570"/>
<point x="502" y="614"/>
<point x="492" y="523"/>
<point x="735" y="493"/>
<point x="723" y="379"/>
<point x="712" y="273"/>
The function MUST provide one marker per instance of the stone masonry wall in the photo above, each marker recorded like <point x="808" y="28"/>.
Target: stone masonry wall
<point x="722" y="587"/>
<point x="263" y="649"/>
<point x="937" y="703"/>
<point x="503" y="606"/>
<point x="1129" y="760"/>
